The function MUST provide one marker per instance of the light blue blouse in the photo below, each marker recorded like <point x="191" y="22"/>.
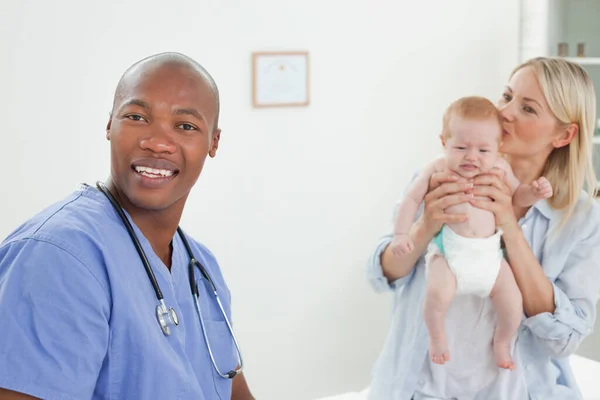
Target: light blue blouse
<point x="571" y="261"/>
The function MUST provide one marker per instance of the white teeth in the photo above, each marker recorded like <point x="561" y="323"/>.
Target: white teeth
<point x="153" y="172"/>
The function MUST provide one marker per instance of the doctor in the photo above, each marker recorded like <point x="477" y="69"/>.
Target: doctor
<point x="78" y="310"/>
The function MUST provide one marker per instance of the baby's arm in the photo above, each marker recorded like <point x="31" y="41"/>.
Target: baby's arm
<point x="525" y="194"/>
<point x="528" y="193"/>
<point x="409" y="206"/>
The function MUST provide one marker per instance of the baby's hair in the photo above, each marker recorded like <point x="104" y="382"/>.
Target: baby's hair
<point x="472" y="108"/>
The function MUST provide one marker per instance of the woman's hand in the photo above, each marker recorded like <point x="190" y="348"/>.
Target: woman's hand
<point x="497" y="198"/>
<point x="445" y="190"/>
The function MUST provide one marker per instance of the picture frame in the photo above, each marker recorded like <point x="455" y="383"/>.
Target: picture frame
<point x="280" y="79"/>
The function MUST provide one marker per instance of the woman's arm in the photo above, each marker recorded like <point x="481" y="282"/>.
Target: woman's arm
<point x="397" y="266"/>
<point x="536" y="289"/>
<point x="561" y="312"/>
<point x="445" y="190"/>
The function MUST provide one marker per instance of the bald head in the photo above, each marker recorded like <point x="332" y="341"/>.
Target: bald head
<point x="155" y="62"/>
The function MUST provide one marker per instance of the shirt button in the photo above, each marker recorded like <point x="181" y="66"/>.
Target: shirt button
<point x="528" y="367"/>
<point x="524" y="226"/>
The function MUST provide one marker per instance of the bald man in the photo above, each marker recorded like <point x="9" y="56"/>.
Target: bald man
<point x="80" y="316"/>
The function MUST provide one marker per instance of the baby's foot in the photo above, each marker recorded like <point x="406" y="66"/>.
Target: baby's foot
<point x="438" y="351"/>
<point x="502" y="356"/>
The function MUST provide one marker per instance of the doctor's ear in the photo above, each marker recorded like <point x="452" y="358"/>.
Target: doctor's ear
<point x="108" y="127"/>
<point x="214" y="144"/>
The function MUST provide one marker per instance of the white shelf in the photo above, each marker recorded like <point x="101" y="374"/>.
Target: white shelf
<point x="584" y="60"/>
<point x="596" y="140"/>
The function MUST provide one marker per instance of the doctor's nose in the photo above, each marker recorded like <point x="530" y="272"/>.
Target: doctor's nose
<point x="158" y="142"/>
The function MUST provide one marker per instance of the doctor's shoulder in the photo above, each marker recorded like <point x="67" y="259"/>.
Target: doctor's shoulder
<point x="65" y="232"/>
<point x="55" y="303"/>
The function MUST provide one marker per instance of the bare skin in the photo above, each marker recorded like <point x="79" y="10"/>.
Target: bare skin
<point x="473" y="149"/>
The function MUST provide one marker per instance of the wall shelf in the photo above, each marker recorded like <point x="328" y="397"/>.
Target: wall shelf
<point x="585" y="60"/>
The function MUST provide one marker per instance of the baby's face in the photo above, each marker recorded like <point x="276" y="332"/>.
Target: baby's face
<point x="473" y="146"/>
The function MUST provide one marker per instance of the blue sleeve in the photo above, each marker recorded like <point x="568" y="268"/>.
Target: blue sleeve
<point x="576" y="291"/>
<point x="54" y="315"/>
<point x="374" y="269"/>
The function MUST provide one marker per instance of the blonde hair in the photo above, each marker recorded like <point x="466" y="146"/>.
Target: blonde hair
<point x="472" y="108"/>
<point x="569" y="92"/>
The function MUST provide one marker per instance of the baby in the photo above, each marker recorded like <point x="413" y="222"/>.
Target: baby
<point x="466" y="258"/>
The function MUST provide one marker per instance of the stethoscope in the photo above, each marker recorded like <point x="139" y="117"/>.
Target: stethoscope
<point x="167" y="316"/>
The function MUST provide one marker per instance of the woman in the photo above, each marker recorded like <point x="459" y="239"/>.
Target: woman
<point x="553" y="248"/>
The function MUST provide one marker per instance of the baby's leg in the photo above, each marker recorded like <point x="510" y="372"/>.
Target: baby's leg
<point x="507" y="300"/>
<point x="441" y="287"/>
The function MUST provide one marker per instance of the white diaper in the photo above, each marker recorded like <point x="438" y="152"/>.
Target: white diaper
<point x="475" y="262"/>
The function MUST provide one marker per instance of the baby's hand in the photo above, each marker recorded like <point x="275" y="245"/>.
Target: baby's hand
<point x="542" y="188"/>
<point x="402" y="244"/>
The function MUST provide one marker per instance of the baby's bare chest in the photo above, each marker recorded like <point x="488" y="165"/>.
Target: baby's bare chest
<point x="480" y="223"/>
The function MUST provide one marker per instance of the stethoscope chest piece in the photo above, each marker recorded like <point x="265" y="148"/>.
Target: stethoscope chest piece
<point x="166" y="317"/>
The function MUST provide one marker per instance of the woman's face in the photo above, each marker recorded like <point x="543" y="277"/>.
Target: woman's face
<point x="530" y="128"/>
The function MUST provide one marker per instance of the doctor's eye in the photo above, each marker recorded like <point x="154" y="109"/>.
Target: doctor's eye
<point x="135" y="117"/>
<point x="187" y="127"/>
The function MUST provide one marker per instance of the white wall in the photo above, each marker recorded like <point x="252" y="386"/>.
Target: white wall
<point x="296" y="198"/>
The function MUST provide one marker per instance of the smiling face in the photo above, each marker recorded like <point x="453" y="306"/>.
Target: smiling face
<point x="472" y="147"/>
<point x="162" y="128"/>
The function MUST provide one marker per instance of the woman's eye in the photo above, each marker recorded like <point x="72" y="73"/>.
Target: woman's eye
<point x="506" y="97"/>
<point x="529" y="110"/>
<point x="187" y="127"/>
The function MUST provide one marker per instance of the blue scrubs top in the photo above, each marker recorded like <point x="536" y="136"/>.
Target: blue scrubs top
<point x="77" y="311"/>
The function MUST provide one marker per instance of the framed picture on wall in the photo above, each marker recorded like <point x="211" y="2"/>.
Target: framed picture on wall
<point x="280" y="79"/>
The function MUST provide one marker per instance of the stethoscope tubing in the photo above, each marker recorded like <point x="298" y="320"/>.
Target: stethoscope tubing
<point x="162" y="312"/>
